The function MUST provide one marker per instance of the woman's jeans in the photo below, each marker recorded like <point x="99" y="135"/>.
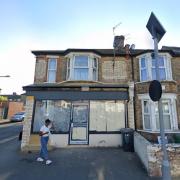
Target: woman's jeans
<point x="44" y="151"/>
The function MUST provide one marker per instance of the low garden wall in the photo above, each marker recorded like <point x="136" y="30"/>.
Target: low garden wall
<point x="151" y="156"/>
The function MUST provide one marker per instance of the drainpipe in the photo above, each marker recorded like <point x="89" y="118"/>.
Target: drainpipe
<point x="126" y="114"/>
<point x="133" y="79"/>
<point x="128" y="51"/>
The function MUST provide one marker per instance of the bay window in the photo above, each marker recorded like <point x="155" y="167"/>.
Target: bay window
<point x="82" y="67"/>
<point x="150" y="114"/>
<point x="147" y="66"/>
<point x="167" y="115"/>
<point x="162" y="68"/>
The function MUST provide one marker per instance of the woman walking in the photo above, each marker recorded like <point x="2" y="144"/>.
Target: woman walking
<point x="44" y="137"/>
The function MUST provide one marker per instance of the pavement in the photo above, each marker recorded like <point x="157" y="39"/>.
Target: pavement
<point x="4" y="121"/>
<point x="68" y="163"/>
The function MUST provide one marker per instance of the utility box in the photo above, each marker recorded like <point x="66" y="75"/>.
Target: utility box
<point x="128" y="139"/>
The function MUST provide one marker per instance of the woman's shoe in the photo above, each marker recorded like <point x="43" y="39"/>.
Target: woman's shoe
<point x="48" y="162"/>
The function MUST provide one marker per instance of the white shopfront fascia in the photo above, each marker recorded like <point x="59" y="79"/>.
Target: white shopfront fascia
<point x="166" y="96"/>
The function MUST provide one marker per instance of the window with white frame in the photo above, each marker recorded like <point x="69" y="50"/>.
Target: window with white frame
<point x="144" y="72"/>
<point x="82" y="67"/>
<point x="146" y="114"/>
<point x="150" y="114"/>
<point x="167" y="114"/>
<point x="94" y="68"/>
<point x="68" y="68"/>
<point x="52" y="66"/>
<point x="147" y="67"/>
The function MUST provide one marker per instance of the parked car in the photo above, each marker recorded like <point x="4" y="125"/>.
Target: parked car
<point x="18" y="117"/>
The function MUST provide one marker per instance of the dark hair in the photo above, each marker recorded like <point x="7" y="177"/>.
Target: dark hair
<point x="47" y="121"/>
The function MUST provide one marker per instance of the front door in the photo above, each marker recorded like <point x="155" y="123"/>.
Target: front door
<point x="79" y="124"/>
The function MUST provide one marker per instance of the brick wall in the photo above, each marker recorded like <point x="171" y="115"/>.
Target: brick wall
<point x="170" y="87"/>
<point x="40" y="74"/>
<point x="151" y="156"/>
<point x="176" y="76"/>
<point x="155" y="159"/>
<point x="15" y="107"/>
<point x="138" y="113"/>
<point x="120" y="72"/>
<point x="27" y="122"/>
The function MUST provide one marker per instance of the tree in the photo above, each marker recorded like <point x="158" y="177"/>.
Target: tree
<point x="3" y="98"/>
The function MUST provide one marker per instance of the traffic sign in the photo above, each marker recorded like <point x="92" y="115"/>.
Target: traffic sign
<point x="155" y="90"/>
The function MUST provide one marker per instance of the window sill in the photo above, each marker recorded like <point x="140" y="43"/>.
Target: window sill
<point x="155" y="132"/>
<point x="49" y="82"/>
<point x="166" y="81"/>
<point x="73" y="80"/>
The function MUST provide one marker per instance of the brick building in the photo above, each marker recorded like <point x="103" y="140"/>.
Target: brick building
<point x="146" y="111"/>
<point x="15" y="103"/>
<point x="90" y="94"/>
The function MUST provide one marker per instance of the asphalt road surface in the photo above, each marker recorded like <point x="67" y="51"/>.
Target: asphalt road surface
<point x="9" y="132"/>
<point x="68" y="163"/>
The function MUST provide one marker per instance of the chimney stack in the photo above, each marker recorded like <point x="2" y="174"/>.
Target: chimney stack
<point x="118" y="42"/>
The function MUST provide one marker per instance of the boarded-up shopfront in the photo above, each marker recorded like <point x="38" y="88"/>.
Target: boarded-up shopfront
<point x="90" y="116"/>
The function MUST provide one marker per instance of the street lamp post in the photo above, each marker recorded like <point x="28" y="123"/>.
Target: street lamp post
<point x="157" y="31"/>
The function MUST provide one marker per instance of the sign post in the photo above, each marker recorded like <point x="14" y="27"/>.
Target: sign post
<point x="157" y="31"/>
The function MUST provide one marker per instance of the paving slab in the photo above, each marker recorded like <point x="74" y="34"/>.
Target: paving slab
<point x="75" y="163"/>
<point x="4" y="121"/>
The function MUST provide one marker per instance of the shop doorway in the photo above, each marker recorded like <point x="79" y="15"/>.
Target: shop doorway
<point x="79" y="123"/>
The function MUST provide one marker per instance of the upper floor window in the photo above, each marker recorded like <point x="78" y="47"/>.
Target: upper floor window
<point x="148" y="68"/>
<point x="82" y="67"/>
<point x="52" y="66"/>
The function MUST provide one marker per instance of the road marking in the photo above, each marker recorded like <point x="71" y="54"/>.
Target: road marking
<point x="10" y="124"/>
<point x="8" y="139"/>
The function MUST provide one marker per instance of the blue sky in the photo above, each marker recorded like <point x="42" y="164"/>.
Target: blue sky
<point x="56" y="24"/>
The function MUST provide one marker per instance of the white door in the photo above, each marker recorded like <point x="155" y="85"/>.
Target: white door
<point x="79" y="124"/>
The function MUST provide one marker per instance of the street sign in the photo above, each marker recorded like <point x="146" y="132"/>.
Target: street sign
<point x="155" y="90"/>
<point x="155" y="27"/>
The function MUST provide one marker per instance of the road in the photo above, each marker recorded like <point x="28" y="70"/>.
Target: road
<point x="68" y="163"/>
<point x="9" y="146"/>
<point x="10" y="131"/>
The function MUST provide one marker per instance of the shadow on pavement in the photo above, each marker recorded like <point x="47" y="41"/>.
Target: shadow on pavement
<point x="73" y="163"/>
